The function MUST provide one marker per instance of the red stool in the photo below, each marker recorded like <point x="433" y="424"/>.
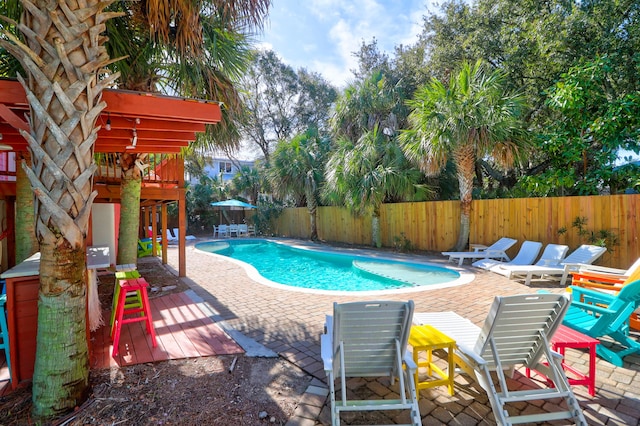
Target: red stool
<point x="139" y="313"/>
<point x="134" y="299"/>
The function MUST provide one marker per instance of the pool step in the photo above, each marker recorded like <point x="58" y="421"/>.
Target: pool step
<point x="218" y="246"/>
<point x="395" y="271"/>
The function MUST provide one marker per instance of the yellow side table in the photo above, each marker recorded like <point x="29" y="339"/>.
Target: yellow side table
<point x="427" y="338"/>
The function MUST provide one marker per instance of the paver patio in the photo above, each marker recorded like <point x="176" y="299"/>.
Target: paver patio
<point x="290" y="323"/>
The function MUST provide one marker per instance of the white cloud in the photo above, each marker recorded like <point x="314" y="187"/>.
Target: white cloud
<point x="322" y="35"/>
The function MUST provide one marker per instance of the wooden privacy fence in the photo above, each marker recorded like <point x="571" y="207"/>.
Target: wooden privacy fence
<point x="434" y="225"/>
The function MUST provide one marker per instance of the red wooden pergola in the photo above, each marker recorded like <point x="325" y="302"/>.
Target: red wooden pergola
<point x="133" y="122"/>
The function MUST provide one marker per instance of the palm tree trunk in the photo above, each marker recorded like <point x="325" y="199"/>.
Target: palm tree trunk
<point x="63" y="53"/>
<point x="61" y="371"/>
<point x="26" y="242"/>
<point x="312" y="206"/>
<point x="465" y="163"/>
<point x="375" y="227"/>
<point x="130" y="187"/>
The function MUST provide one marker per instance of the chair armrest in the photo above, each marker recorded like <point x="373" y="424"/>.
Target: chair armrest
<point x="571" y="267"/>
<point x="470" y="355"/>
<point x="592" y="307"/>
<point x="589" y="268"/>
<point x="589" y="275"/>
<point x="608" y="288"/>
<point x="408" y="361"/>
<point x="580" y="292"/>
<point x="326" y="351"/>
<point x="328" y="325"/>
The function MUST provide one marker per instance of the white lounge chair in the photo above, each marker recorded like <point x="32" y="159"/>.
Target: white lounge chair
<point x="526" y="256"/>
<point x="552" y="254"/>
<point x="496" y="250"/>
<point x="171" y="238"/>
<point x="187" y="237"/>
<point x="585" y="254"/>
<point x="516" y="333"/>
<point x="369" y="339"/>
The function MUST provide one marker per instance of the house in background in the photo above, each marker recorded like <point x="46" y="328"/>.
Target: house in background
<point x="222" y="168"/>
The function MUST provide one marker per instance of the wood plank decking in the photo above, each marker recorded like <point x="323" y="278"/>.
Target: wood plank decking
<point x="182" y="331"/>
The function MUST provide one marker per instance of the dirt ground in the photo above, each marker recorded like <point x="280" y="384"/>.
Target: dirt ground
<point x="222" y="390"/>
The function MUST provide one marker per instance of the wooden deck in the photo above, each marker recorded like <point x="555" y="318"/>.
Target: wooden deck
<point x="182" y="331"/>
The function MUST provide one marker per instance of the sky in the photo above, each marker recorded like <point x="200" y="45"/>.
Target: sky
<point x="321" y="35"/>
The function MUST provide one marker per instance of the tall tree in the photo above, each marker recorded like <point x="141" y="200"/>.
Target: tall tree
<point x="370" y="60"/>
<point x="169" y="62"/>
<point x="364" y="175"/>
<point x="471" y="118"/>
<point x="528" y="39"/>
<point x="297" y="170"/>
<point x="594" y="119"/>
<point x="368" y="167"/>
<point x="372" y="102"/>
<point x="536" y="42"/>
<point x="281" y="102"/>
<point x="248" y="181"/>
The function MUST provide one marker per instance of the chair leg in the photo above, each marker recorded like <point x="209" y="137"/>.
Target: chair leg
<point x="483" y="376"/>
<point x="563" y="383"/>
<point x="416" y="420"/>
<point x="335" y="414"/>
<point x="115" y="333"/>
<point x="143" y="311"/>
<point x="4" y="333"/>
<point x="149" y="321"/>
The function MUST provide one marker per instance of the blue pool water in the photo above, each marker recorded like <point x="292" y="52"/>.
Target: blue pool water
<point x="323" y="270"/>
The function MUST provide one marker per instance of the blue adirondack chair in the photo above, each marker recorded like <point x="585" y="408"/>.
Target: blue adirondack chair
<point x="598" y="314"/>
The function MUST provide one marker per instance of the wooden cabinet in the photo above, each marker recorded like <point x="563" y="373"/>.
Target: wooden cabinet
<point x="23" y="283"/>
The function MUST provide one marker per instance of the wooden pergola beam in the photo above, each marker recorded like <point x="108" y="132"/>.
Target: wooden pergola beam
<point x="163" y="124"/>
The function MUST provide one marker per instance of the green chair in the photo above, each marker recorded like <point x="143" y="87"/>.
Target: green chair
<point x="145" y="247"/>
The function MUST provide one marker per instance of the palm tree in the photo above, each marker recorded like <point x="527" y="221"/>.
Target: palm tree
<point x="472" y="118"/>
<point x="365" y="104"/>
<point x="297" y="169"/>
<point x="368" y="167"/>
<point x="364" y="175"/>
<point x="248" y="181"/>
<point x="63" y="55"/>
<point x="171" y="63"/>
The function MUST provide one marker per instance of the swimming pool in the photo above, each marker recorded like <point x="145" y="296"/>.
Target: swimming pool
<point x="331" y="271"/>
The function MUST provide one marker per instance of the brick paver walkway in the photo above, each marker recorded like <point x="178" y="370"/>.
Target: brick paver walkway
<point x="290" y="323"/>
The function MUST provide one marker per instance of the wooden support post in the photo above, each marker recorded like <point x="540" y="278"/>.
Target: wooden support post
<point x="154" y="229"/>
<point x="182" y="224"/>
<point x="165" y="241"/>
